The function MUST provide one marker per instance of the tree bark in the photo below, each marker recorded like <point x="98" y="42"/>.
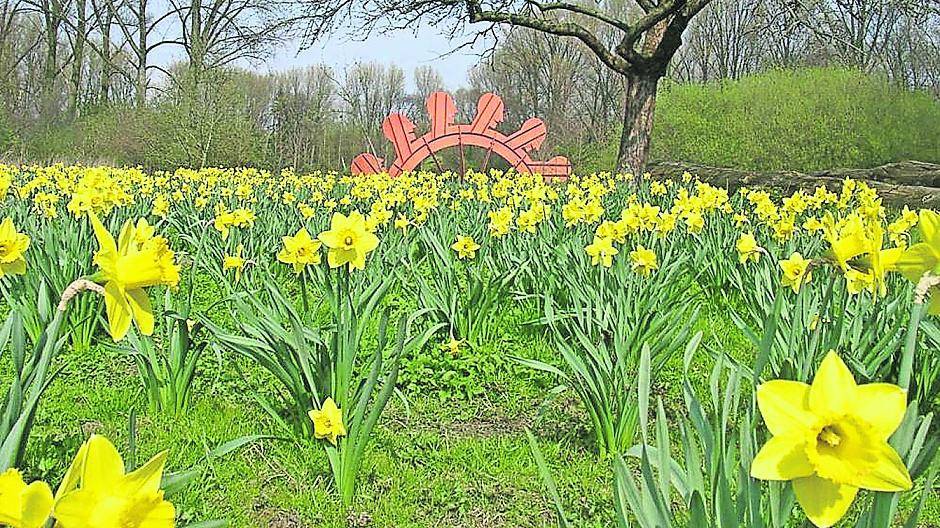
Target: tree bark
<point x="905" y="187"/>
<point x="639" y="106"/>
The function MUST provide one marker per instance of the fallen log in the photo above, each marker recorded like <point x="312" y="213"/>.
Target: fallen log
<point x="915" y="184"/>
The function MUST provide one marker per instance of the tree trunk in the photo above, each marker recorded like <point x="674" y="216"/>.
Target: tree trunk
<point x="78" y="59"/>
<point x="105" y="95"/>
<point x="639" y="104"/>
<point x="140" y="88"/>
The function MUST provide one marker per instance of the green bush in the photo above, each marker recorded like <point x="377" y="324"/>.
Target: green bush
<point x="806" y="120"/>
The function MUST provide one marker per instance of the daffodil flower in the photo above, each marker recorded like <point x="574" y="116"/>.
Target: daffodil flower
<point x="924" y="257"/>
<point x="349" y="241"/>
<point x="643" y="261"/>
<point x="328" y="422"/>
<point x="23" y="505"/>
<point x="12" y="247"/>
<point x="831" y="439"/>
<point x="601" y="251"/>
<point x="748" y="249"/>
<point x="796" y="271"/>
<point x="128" y="267"/>
<point x="465" y="247"/>
<point x="300" y="250"/>
<point x="97" y="493"/>
<point x="235" y="262"/>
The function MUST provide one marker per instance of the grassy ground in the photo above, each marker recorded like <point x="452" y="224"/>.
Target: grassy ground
<point x="440" y="458"/>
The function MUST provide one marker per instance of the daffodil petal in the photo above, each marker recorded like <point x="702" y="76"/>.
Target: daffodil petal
<point x="72" y="509"/>
<point x="74" y="474"/>
<point x="833" y="388"/>
<point x="929" y="223"/>
<point x="105" y="240"/>
<point x="11" y="489"/>
<point x="882" y="406"/>
<point x="782" y="458"/>
<point x="917" y="260"/>
<point x="37" y="505"/>
<point x="104" y="468"/>
<point x="146" y="479"/>
<point x="118" y="310"/>
<point x="140" y="307"/>
<point x="330" y="238"/>
<point x="888" y="472"/>
<point x="784" y="405"/>
<point x="824" y="502"/>
<point x="161" y="516"/>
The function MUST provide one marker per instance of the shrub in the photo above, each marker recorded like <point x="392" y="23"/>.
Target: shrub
<point x="806" y="120"/>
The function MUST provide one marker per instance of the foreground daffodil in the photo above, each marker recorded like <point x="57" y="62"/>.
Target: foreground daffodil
<point x="924" y="257"/>
<point x="97" y="494"/>
<point x="349" y="241"/>
<point x="465" y="247"/>
<point x="12" y="246"/>
<point x="138" y="261"/>
<point x="328" y="421"/>
<point x="831" y="439"/>
<point x="22" y="505"/>
<point x="300" y="250"/>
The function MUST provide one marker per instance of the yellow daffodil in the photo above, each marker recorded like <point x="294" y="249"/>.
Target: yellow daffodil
<point x="22" y="505"/>
<point x="748" y="250"/>
<point x="796" y="271"/>
<point x="500" y="221"/>
<point x="402" y="223"/>
<point x="12" y="247"/>
<point x="349" y="241"/>
<point x="328" y="421"/>
<point x="128" y="267"/>
<point x="924" y="257"/>
<point x="602" y="252"/>
<point x="452" y="346"/>
<point x="643" y="261"/>
<point x="465" y="247"/>
<point x="235" y="262"/>
<point x="96" y="492"/>
<point x="300" y="250"/>
<point x="831" y="439"/>
<point x="847" y="239"/>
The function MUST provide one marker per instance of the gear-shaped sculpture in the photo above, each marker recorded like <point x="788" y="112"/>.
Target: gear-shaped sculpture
<point x="411" y="150"/>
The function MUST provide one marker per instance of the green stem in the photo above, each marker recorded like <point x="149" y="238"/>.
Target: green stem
<point x="303" y="290"/>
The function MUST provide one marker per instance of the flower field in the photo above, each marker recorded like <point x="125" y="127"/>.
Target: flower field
<point x="281" y="349"/>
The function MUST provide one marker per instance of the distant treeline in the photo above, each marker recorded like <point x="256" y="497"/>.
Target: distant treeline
<point x="757" y="84"/>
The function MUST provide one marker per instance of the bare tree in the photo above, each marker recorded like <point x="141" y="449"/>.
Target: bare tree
<point x="369" y="92"/>
<point x="215" y="33"/>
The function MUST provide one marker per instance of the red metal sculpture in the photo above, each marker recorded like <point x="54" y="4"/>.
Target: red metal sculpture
<point x="411" y="150"/>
